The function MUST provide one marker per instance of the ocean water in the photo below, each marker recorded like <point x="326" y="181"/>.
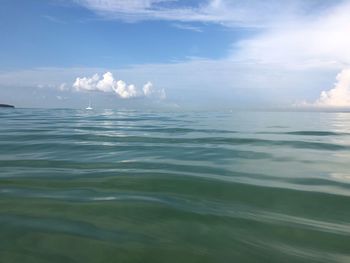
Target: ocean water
<point x="129" y="186"/>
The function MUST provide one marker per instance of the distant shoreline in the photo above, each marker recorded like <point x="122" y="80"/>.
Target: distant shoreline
<point x="6" y="106"/>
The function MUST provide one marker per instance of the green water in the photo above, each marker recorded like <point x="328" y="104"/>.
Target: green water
<point x="128" y="186"/>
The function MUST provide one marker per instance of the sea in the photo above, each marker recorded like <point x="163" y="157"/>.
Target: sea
<point x="143" y="186"/>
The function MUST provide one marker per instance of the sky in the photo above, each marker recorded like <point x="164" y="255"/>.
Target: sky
<point x="175" y="54"/>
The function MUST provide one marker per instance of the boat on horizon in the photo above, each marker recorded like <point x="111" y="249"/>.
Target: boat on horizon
<point x="89" y="107"/>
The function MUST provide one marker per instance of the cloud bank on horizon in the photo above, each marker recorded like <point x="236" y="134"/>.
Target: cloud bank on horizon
<point x="109" y="84"/>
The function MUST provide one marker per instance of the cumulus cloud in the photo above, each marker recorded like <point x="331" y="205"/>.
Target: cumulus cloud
<point x="126" y="91"/>
<point x="339" y="95"/>
<point x="150" y="91"/>
<point x="86" y="84"/>
<point x="106" y="84"/>
<point x="109" y="84"/>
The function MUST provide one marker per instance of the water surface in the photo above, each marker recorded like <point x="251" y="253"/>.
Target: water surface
<point x="129" y="186"/>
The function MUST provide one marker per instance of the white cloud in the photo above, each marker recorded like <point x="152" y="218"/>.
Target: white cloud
<point x="109" y="84"/>
<point x="307" y="41"/>
<point x="253" y="13"/>
<point x="86" y="84"/>
<point x="150" y="91"/>
<point x="339" y="95"/>
<point x="120" y="5"/>
<point x="187" y="27"/>
<point x="63" y="87"/>
<point x="106" y="84"/>
<point x="135" y="10"/>
<point x="126" y="91"/>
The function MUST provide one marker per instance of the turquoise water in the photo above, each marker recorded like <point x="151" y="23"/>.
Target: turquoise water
<point x="128" y="186"/>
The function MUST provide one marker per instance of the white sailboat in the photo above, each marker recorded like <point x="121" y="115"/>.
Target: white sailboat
<point x="89" y="107"/>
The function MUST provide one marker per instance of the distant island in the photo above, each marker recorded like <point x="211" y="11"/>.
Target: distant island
<point x="6" y="106"/>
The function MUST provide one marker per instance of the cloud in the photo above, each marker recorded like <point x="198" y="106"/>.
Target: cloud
<point x="150" y="91"/>
<point x="339" y="95"/>
<point x="106" y="84"/>
<point x="253" y="13"/>
<point x="63" y="87"/>
<point x="320" y="40"/>
<point x="138" y="10"/>
<point x="109" y="84"/>
<point x="86" y="84"/>
<point x="53" y="19"/>
<point x="187" y="27"/>
<point x="126" y="91"/>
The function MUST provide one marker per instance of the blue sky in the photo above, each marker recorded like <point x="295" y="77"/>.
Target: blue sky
<point x="174" y="53"/>
<point x="41" y="33"/>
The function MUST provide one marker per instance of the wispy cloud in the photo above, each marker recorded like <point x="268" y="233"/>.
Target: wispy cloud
<point x="53" y="19"/>
<point x="252" y="13"/>
<point x="188" y="27"/>
<point x="317" y="41"/>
